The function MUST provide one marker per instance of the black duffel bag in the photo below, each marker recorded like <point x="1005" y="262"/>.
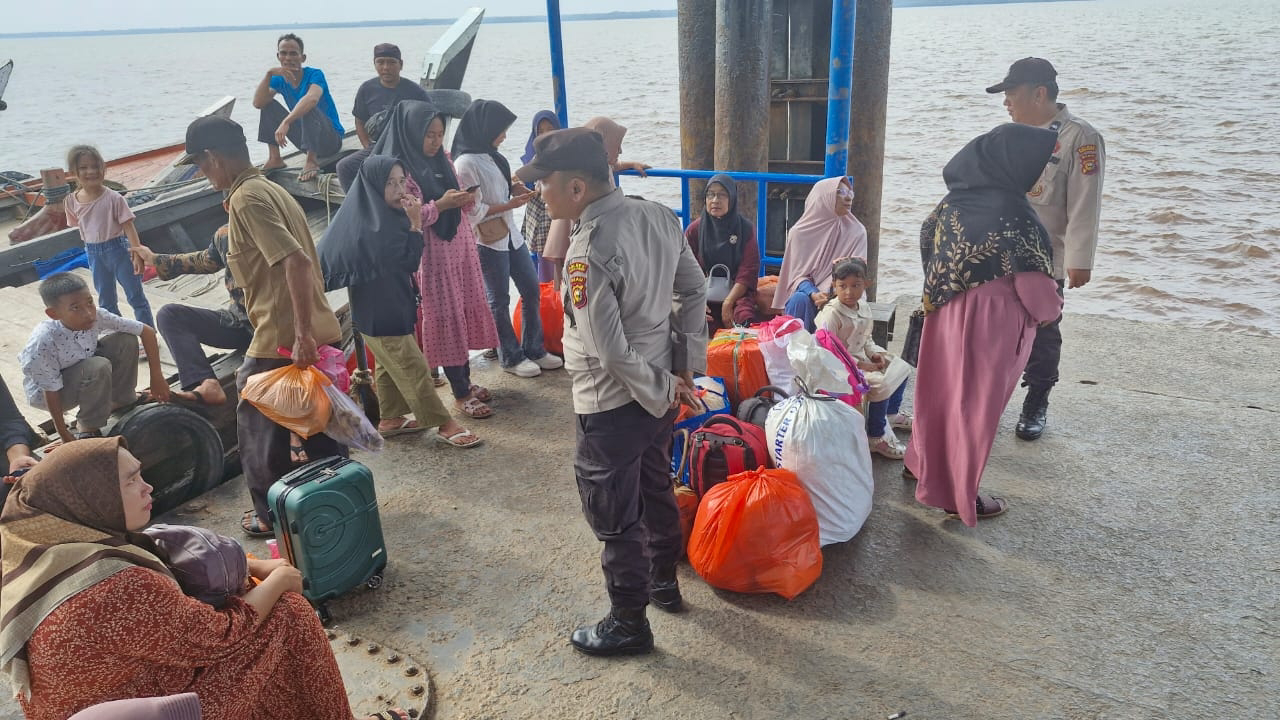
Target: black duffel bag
<point x="755" y="409"/>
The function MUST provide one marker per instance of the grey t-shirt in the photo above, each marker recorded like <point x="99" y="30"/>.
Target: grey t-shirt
<point x="374" y="97"/>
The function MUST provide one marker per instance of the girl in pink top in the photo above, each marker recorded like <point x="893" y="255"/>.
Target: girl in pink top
<point x="106" y="226"/>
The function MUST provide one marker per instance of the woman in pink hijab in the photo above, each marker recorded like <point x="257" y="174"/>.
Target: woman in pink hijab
<point x="825" y="232"/>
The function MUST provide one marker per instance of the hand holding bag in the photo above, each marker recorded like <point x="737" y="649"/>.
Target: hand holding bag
<point x="718" y="287"/>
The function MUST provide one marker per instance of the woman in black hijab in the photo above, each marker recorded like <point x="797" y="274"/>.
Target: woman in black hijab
<point x="455" y="318"/>
<point x="988" y="283"/>
<point x="723" y="237"/>
<point x="373" y="246"/>
<point x="504" y="255"/>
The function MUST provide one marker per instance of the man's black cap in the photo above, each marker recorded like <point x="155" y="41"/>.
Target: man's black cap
<point x="387" y="50"/>
<point x="212" y="132"/>
<point x="1027" y="71"/>
<point x="577" y="149"/>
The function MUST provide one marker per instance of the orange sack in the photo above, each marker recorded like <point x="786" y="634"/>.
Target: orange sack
<point x="291" y="397"/>
<point x="551" y="310"/>
<point x="734" y="354"/>
<point x="687" y="503"/>
<point x="757" y="533"/>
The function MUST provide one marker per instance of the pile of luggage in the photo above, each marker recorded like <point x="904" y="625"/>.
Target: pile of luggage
<point x="776" y="464"/>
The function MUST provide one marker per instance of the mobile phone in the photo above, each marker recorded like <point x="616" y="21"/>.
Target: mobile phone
<point x="473" y="188"/>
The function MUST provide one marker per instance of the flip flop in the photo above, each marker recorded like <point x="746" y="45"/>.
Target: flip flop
<point x="1000" y="506"/>
<point x="476" y="410"/>
<point x="452" y="440"/>
<point x="481" y="393"/>
<point x="252" y="526"/>
<point x="439" y="380"/>
<point x="388" y="715"/>
<point x="405" y="427"/>
<point x="308" y="174"/>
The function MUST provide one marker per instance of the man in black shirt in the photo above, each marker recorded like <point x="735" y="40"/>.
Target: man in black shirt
<point x="374" y="96"/>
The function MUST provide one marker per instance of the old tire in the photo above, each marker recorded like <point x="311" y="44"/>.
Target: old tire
<point x="180" y="452"/>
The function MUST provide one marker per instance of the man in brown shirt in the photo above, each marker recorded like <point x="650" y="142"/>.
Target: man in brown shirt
<point x="272" y="258"/>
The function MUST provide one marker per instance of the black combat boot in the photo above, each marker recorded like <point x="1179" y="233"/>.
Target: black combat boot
<point x="664" y="590"/>
<point x="624" y="631"/>
<point x="1035" y="409"/>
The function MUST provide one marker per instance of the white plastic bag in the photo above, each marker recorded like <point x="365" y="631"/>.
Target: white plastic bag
<point x="348" y="424"/>
<point x="775" y="335"/>
<point x="824" y="442"/>
<point x="815" y="366"/>
<point x="712" y="394"/>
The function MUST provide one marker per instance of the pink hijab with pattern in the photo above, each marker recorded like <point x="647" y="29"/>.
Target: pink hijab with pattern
<point x="817" y="239"/>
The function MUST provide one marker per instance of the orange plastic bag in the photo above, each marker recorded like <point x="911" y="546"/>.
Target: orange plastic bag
<point x="291" y="397"/>
<point x="757" y="533"/>
<point x="551" y="310"/>
<point x="734" y="354"/>
<point x="687" y="502"/>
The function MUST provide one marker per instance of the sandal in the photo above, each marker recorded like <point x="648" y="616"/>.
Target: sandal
<point x="475" y="409"/>
<point x="992" y="507"/>
<point x="388" y="715"/>
<point x="491" y="354"/>
<point x="439" y="380"/>
<point x="88" y="435"/>
<point x="455" y="441"/>
<point x="297" y="451"/>
<point x="405" y="427"/>
<point x="481" y="393"/>
<point x="900" y="420"/>
<point x="253" y="526"/>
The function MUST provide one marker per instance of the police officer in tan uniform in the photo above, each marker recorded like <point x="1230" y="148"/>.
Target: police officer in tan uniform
<point x="1068" y="199"/>
<point x="635" y="332"/>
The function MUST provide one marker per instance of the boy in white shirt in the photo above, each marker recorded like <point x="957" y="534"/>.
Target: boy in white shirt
<point x="85" y="356"/>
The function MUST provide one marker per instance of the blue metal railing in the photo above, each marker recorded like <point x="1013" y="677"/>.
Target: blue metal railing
<point x="762" y="180"/>
<point x="839" y="96"/>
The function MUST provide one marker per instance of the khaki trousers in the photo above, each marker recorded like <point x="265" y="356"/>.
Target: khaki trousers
<point x="403" y="381"/>
<point x="102" y="383"/>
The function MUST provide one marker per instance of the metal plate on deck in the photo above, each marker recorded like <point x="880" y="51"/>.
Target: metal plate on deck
<point x="378" y="677"/>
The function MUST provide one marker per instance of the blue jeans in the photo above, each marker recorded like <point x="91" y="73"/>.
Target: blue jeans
<point x="110" y="264"/>
<point x="801" y="307"/>
<point x="878" y="412"/>
<point x="501" y="268"/>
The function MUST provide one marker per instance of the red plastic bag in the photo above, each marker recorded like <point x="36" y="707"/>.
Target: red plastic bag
<point x="551" y="310"/>
<point x="291" y="397"/>
<point x="757" y="533"/>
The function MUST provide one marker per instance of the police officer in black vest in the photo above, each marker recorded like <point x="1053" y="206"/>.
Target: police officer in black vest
<point x="635" y="333"/>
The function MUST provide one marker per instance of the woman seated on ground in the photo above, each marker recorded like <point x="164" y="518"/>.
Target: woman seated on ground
<point x="723" y="237"/>
<point x="827" y="230"/>
<point x="373" y="246"/>
<point x="91" y="614"/>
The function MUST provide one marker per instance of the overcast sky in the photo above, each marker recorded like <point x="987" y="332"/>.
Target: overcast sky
<point x="72" y="15"/>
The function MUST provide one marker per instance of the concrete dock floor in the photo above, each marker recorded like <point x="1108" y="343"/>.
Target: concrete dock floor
<point x="1136" y="574"/>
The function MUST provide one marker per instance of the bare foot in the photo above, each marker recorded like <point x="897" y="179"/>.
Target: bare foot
<point x="273" y="165"/>
<point x="208" y="392"/>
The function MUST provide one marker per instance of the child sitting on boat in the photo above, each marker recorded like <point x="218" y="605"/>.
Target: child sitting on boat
<point x="106" y="226"/>
<point x="850" y="320"/>
<point x="85" y="356"/>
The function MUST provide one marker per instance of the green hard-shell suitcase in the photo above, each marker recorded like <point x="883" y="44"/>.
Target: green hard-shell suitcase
<point x="325" y="516"/>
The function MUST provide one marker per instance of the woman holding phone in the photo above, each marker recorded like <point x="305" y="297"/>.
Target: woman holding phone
<point x="454" y="319"/>
<point x="504" y="255"/>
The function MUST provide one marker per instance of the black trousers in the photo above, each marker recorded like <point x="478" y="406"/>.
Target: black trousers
<point x="623" y="469"/>
<point x="185" y="329"/>
<point x="1041" y="372"/>
<point x="349" y="167"/>
<point x="264" y="445"/>
<point x="313" y="133"/>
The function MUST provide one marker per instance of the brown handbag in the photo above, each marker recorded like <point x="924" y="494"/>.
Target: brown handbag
<point x="493" y="229"/>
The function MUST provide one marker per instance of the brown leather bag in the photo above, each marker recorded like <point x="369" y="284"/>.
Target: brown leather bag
<point x="493" y="229"/>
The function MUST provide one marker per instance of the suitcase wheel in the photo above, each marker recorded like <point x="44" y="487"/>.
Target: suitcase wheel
<point x="374" y="582"/>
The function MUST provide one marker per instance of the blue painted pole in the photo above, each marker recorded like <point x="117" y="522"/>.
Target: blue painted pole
<point x="839" y="87"/>
<point x="684" y="201"/>
<point x="557" y="63"/>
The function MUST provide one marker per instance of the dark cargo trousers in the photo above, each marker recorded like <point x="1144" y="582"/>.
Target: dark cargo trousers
<point x="264" y="445"/>
<point x="312" y="132"/>
<point x="623" y="469"/>
<point x="1041" y="372"/>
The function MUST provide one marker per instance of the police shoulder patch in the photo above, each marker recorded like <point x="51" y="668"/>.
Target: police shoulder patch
<point x="577" y="271"/>
<point x="1088" y="159"/>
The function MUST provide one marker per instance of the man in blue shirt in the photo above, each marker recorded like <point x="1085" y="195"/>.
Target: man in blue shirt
<point x="311" y="122"/>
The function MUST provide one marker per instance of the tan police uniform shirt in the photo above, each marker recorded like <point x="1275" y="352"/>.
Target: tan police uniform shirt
<point x="1068" y="195"/>
<point x="266" y="225"/>
<point x="635" y="306"/>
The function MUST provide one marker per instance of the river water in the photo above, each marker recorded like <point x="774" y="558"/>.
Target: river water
<point x="1185" y="93"/>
